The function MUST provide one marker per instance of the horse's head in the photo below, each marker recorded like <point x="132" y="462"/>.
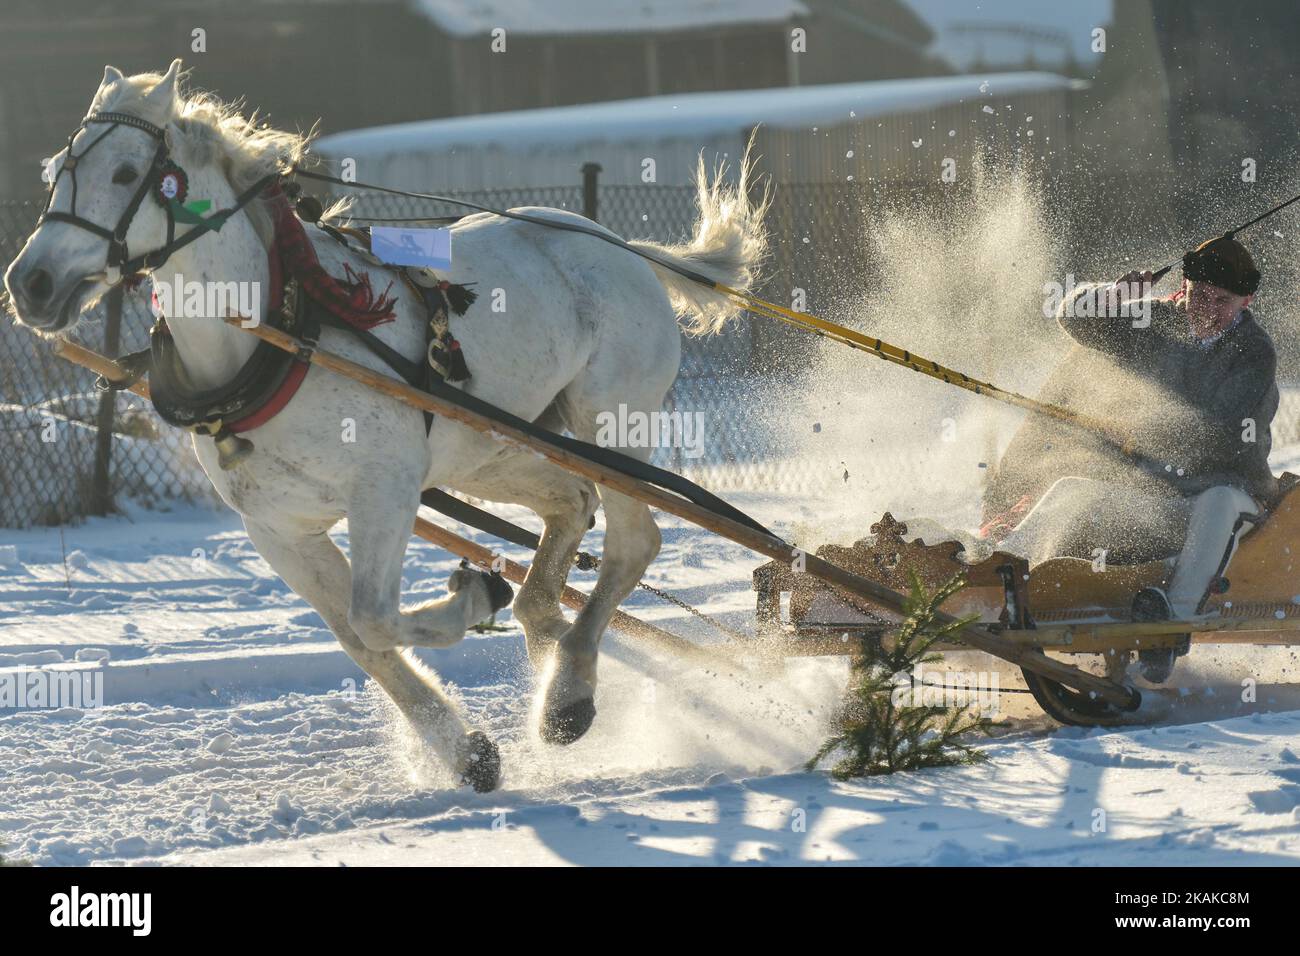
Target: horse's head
<point x="118" y="187"/>
<point x="101" y="201"/>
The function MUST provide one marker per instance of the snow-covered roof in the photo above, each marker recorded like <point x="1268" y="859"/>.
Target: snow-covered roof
<point x="688" y="115"/>
<point x="474" y="17"/>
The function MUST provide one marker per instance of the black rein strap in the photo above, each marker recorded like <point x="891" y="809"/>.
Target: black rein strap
<point x="119" y="263"/>
<point x="412" y="372"/>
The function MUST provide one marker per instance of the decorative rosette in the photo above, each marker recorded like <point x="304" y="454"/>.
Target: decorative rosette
<point x="172" y="186"/>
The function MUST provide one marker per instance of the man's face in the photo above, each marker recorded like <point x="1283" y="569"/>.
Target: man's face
<point x="1211" y="309"/>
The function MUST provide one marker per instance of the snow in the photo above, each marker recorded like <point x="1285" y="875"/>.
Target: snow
<point x="1073" y="23"/>
<point x="1214" y="794"/>
<point x="232" y="730"/>
<point x="687" y="116"/>
<point x="545" y="17"/>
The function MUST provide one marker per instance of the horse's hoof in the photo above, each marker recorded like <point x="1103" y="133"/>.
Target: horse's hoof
<point x="567" y="724"/>
<point x="499" y="591"/>
<point x="483" y="765"/>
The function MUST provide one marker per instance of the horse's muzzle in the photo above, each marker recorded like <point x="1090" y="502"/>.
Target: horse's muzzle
<point x="41" y="302"/>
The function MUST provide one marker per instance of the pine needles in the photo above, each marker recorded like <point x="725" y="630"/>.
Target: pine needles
<point x="878" y="731"/>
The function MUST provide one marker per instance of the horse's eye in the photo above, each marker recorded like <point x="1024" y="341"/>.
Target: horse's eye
<point x="125" y="175"/>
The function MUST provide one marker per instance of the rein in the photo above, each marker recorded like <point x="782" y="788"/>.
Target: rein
<point x="304" y="299"/>
<point x="309" y="296"/>
<point x="808" y="323"/>
<point x="165" y="181"/>
<point x="1112" y="436"/>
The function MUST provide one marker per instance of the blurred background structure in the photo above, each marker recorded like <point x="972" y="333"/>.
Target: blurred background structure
<point x="1132" y="122"/>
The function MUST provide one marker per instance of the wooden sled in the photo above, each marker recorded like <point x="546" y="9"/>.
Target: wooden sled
<point x="1065" y="606"/>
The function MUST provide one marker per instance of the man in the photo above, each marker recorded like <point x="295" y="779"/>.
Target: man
<point x="1189" y="380"/>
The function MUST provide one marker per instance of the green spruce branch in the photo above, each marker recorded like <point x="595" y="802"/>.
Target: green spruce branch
<point x="873" y="734"/>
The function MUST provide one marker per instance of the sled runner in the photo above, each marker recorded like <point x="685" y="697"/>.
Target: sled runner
<point x="1065" y="606"/>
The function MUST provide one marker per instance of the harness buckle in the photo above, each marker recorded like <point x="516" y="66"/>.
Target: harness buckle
<point x="433" y="353"/>
<point x="306" y="348"/>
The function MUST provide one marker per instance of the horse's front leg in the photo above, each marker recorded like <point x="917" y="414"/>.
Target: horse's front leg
<point x="311" y="564"/>
<point x="379" y="526"/>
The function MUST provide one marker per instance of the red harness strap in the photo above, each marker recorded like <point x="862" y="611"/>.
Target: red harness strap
<point x="288" y="388"/>
<point x="297" y="372"/>
<point x="351" y="299"/>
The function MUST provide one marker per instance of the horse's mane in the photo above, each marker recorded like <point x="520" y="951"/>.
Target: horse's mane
<point x="212" y="130"/>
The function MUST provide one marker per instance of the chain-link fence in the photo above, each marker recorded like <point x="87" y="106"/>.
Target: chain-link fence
<point x="67" y="450"/>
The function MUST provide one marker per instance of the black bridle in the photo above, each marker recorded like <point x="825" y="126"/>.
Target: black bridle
<point x="164" y="180"/>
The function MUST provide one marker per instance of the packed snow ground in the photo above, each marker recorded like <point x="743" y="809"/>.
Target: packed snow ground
<point x="233" y="731"/>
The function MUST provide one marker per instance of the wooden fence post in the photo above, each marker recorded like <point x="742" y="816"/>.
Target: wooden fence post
<point x="589" y="173"/>
<point x="101" y="488"/>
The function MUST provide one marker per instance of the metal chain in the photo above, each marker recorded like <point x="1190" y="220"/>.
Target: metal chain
<point x="733" y="634"/>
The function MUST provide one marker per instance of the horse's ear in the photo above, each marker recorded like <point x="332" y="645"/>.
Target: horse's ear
<point x="165" y="92"/>
<point x="111" y="75"/>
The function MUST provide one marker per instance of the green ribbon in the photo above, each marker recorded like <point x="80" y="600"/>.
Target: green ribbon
<point x="190" y="213"/>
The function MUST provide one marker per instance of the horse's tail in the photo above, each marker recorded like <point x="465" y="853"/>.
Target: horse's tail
<point x="728" y="246"/>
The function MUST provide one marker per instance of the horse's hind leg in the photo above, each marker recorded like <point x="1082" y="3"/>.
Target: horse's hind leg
<point x="565" y="504"/>
<point x="313" y="566"/>
<point x="631" y="542"/>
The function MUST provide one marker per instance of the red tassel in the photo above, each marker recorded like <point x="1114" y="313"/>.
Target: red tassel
<point x="367" y="308"/>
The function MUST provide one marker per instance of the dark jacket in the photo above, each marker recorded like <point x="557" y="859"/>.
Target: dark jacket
<point x="1187" y="406"/>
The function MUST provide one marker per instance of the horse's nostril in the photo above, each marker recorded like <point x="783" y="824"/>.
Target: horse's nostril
<point x="39" y="287"/>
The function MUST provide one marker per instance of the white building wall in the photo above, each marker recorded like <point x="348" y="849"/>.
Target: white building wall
<point x="805" y="134"/>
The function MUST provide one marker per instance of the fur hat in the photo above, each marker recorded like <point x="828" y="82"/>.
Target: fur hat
<point x="1223" y="262"/>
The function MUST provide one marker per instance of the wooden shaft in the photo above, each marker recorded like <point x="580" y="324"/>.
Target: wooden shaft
<point x="976" y="636"/>
<point x="1067" y="633"/>
<point x="428" y="531"/>
<point x="569" y="597"/>
<point x="973" y="635"/>
<point x="99" y="364"/>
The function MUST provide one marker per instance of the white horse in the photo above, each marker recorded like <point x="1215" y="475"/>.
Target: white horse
<point x="582" y="327"/>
